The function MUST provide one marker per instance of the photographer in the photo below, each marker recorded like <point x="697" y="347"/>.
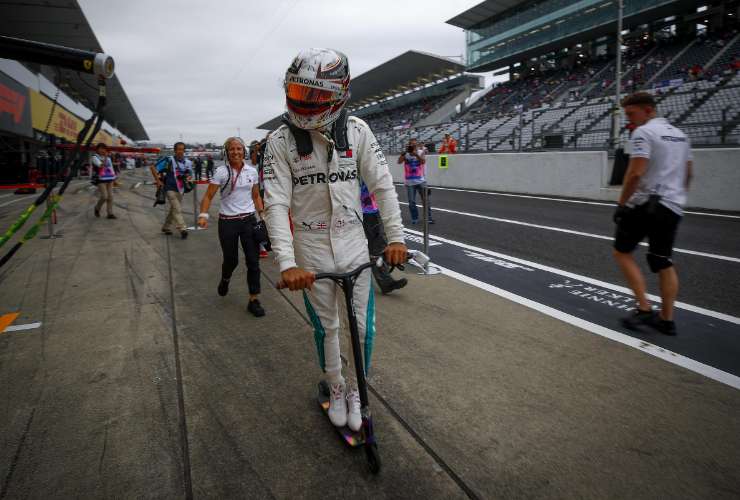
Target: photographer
<point x="172" y="173"/>
<point x="449" y="145"/>
<point x="651" y="202"/>
<point x="103" y="175"/>
<point x="414" y="163"/>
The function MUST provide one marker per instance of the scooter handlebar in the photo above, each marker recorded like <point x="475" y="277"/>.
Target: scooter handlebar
<point x="414" y="256"/>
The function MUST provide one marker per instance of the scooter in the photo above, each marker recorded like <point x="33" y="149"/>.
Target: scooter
<point x="366" y="434"/>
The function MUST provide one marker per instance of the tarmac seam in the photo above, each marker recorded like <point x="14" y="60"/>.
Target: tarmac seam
<point x="16" y="456"/>
<point x="187" y="474"/>
<point x="419" y="440"/>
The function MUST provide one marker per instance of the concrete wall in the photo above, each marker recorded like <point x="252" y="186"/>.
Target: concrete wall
<point x="579" y="174"/>
<point x="716" y="183"/>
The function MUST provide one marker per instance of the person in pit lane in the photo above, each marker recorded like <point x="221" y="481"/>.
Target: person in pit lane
<point x="312" y="172"/>
<point x="241" y="204"/>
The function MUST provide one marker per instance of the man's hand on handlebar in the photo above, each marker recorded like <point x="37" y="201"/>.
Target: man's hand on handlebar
<point x="395" y="254"/>
<point x="296" y="278"/>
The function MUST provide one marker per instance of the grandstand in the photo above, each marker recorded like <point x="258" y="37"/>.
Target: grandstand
<point x="560" y="58"/>
<point x="411" y="90"/>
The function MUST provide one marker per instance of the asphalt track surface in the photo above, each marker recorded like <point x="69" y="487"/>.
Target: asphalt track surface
<point x="575" y="275"/>
<point x="707" y="282"/>
<point x="141" y="382"/>
<point x="119" y="392"/>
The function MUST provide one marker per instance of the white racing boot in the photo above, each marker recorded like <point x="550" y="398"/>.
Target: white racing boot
<point x="354" y="418"/>
<point x="337" y="405"/>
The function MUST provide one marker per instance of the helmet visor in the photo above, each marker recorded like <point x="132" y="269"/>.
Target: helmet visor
<point x="309" y="95"/>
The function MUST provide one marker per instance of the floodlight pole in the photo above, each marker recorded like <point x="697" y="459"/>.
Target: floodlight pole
<point x="618" y="78"/>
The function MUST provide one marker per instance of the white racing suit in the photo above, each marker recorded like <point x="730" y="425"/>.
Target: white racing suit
<point x="322" y="193"/>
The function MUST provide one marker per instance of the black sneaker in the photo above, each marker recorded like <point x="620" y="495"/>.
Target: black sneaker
<point x="255" y="308"/>
<point x="167" y="232"/>
<point x="223" y="287"/>
<point x="665" y="327"/>
<point x="184" y="235"/>
<point x="430" y="221"/>
<point x="639" y="318"/>
<point x="395" y="285"/>
<point x="97" y="212"/>
<point x="111" y="216"/>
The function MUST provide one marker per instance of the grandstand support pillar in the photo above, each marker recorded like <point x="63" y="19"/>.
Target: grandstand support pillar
<point x="521" y="125"/>
<point x="531" y="141"/>
<point x="535" y="115"/>
<point x="488" y="139"/>
<point x="618" y="79"/>
<point x="467" y="136"/>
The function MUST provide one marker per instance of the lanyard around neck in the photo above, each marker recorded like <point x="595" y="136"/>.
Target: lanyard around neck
<point x="234" y="180"/>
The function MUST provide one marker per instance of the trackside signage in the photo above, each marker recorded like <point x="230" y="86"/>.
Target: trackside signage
<point x="64" y="123"/>
<point x="15" y="107"/>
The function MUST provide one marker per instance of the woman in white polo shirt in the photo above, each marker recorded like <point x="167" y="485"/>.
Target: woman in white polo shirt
<point x="238" y="183"/>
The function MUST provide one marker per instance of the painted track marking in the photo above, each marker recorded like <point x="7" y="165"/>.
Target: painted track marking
<point x="27" y="326"/>
<point x="577" y="233"/>
<point x="681" y="305"/>
<point x="562" y="200"/>
<point x="641" y="345"/>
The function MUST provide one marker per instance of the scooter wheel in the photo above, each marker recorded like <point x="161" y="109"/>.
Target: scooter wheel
<point x="373" y="458"/>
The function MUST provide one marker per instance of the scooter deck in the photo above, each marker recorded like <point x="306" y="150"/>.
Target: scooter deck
<point x="349" y="436"/>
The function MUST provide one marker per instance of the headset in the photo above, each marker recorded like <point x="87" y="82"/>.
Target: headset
<point x="226" y="147"/>
<point x="226" y="155"/>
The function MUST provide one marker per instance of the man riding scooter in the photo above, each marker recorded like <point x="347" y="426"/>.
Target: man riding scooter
<point x="312" y="172"/>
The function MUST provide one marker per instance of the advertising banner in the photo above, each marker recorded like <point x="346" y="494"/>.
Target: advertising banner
<point x="63" y="123"/>
<point x="15" y="108"/>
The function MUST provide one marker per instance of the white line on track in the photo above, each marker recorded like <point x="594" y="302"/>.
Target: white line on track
<point x="578" y="233"/>
<point x="14" y="201"/>
<point x="681" y="305"/>
<point x="17" y="328"/>
<point x="563" y="200"/>
<point x="646" y="347"/>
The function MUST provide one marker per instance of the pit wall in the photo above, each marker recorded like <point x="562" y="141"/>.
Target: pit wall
<point x="577" y="174"/>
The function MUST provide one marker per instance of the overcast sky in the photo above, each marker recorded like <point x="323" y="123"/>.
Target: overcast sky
<point x="203" y="68"/>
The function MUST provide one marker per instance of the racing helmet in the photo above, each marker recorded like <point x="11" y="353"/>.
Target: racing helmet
<point x="316" y="88"/>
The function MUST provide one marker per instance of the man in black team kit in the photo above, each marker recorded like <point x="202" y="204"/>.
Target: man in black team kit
<point x="651" y="202"/>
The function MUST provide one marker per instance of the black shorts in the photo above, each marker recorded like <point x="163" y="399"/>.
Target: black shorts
<point x="660" y="228"/>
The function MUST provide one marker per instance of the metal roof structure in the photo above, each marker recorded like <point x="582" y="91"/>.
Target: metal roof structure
<point x="482" y="12"/>
<point x="62" y="22"/>
<point x="646" y="12"/>
<point x="405" y="72"/>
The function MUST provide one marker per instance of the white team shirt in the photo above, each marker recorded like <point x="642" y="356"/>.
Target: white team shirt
<point x="668" y="151"/>
<point x="236" y="197"/>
